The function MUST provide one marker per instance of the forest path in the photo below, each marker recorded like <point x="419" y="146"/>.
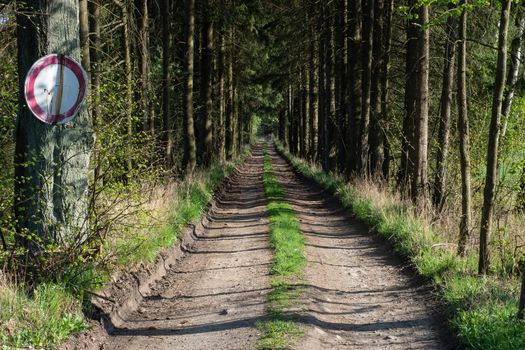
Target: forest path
<point x="214" y="296"/>
<point x="357" y="294"/>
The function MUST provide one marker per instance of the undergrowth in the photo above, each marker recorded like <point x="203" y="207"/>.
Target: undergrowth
<point x="482" y="310"/>
<point x="287" y="242"/>
<point x="54" y="310"/>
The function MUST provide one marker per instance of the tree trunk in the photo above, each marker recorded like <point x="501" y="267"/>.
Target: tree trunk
<point x="148" y="119"/>
<point x="167" y="120"/>
<point x="521" y="309"/>
<point x="385" y="96"/>
<point x="321" y="120"/>
<point x="419" y="177"/>
<point x="411" y="82"/>
<point x="84" y="38"/>
<point x="353" y="87"/>
<point x="51" y="161"/>
<point x="463" y="129"/>
<point x="494" y="133"/>
<point x="221" y="137"/>
<point x="514" y="67"/>
<point x="376" y="137"/>
<point x="314" y="97"/>
<point x="449" y="56"/>
<point x="206" y="90"/>
<point x="364" y="126"/>
<point x="340" y="84"/>
<point x="189" y="136"/>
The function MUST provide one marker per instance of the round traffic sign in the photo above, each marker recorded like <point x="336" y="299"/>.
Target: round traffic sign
<point x="55" y="88"/>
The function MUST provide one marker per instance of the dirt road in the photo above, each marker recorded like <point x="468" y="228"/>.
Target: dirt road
<point x="357" y="295"/>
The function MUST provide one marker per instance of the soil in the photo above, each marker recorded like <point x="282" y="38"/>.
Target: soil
<point x="357" y="294"/>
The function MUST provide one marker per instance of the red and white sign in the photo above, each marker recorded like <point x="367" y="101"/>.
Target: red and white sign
<point x="55" y="88"/>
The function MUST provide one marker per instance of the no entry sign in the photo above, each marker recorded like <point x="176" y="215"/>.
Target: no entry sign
<point x="55" y="88"/>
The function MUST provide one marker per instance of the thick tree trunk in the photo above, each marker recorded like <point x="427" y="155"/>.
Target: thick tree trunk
<point x="51" y="161"/>
<point x="189" y="136"/>
<point x="449" y="56"/>
<point x="494" y="133"/>
<point x="419" y="175"/>
<point x="463" y="129"/>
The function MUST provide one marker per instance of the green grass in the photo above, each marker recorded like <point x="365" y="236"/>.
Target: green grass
<point x="42" y="321"/>
<point x="482" y="310"/>
<point x="54" y="312"/>
<point x="287" y="242"/>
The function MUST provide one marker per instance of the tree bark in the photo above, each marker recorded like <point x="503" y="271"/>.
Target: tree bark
<point x="353" y="87"/>
<point x="376" y="136"/>
<point x="514" y="67"/>
<point x="221" y="137"/>
<point x="521" y="309"/>
<point x="364" y="126"/>
<point x="494" y="133"/>
<point x="340" y="84"/>
<point x="411" y="83"/>
<point x="419" y="177"/>
<point x="385" y="95"/>
<point x="51" y="161"/>
<point x="84" y="38"/>
<point x="206" y="90"/>
<point x="314" y="97"/>
<point x="189" y="136"/>
<point x="464" y="139"/>
<point x="167" y="119"/>
<point x="449" y="57"/>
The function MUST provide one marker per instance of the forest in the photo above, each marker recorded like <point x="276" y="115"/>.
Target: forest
<point x="406" y="114"/>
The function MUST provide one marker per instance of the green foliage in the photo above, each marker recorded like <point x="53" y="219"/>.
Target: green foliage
<point x="280" y="331"/>
<point x="482" y="310"/>
<point x="42" y="321"/>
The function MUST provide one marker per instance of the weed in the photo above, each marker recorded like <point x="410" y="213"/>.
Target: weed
<point x="280" y="330"/>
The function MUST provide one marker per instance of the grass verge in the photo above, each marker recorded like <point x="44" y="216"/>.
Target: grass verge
<point x="280" y="330"/>
<point x="54" y="312"/>
<point x="482" y="310"/>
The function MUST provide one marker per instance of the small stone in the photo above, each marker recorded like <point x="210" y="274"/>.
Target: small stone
<point x="223" y="312"/>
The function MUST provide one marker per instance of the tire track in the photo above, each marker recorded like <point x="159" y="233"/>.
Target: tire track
<point x="356" y="293"/>
<point x="214" y="296"/>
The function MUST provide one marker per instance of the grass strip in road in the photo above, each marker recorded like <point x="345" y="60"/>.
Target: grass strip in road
<point x="280" y="330"/>
<point x="482" y="310"/>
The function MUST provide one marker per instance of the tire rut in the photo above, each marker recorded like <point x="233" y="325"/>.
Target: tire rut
<point x="215" y="295"/>
<point x="357" y="294"/>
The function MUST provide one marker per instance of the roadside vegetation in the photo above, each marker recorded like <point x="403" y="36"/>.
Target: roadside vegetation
<point x="482" y="310"/>
<point x="56" y="308"/>
<point x="287" y="242"/>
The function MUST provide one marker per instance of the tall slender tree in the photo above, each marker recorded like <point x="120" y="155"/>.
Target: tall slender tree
<point x="189" y="135"/>
<point x="494" y="134"/>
